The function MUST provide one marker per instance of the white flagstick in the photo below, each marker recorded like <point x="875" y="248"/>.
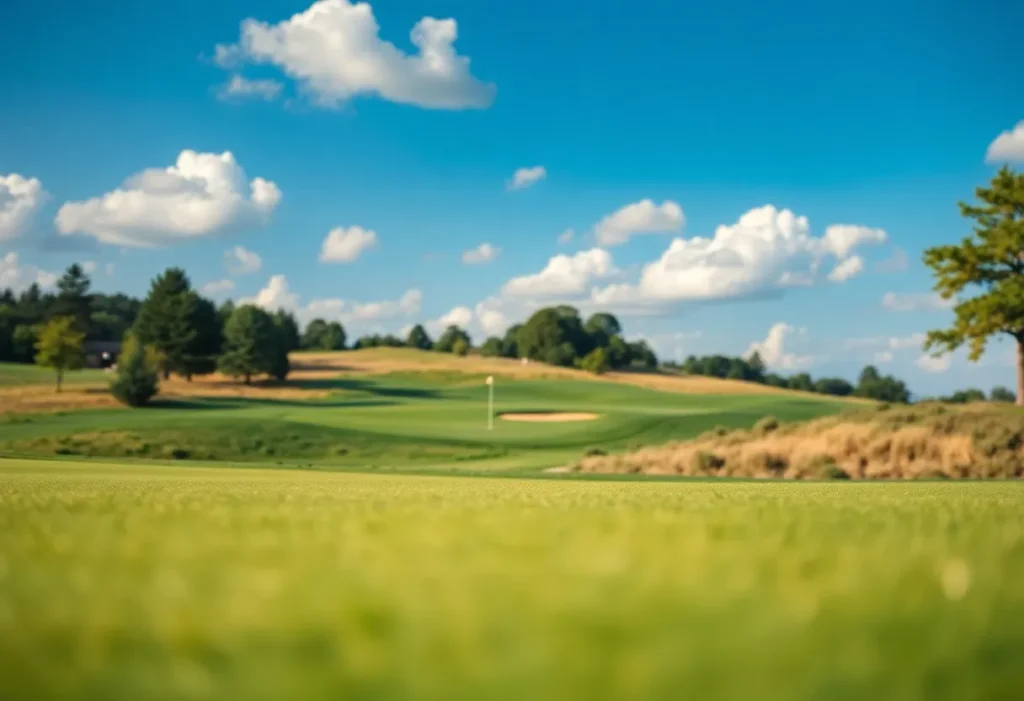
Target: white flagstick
<point x="490" y="402"/>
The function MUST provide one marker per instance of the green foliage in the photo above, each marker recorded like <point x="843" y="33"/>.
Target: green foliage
<point x="251" y="344"/>
<point x="324" y="336"/>
<point x="835" y="386"/>
<point x="460" y="347"/>
<point x="801" y="381"/>
<point x="73" y="297"/>
<point x="419" y="338"/>
<point x="23" y="343"/>
<point x="991" y="260"/>
<point x="378" y="341"/>
<point x="138" y="370"/>
<point x="885" y="388"/>
<point x="510" y="342"/>
<point x="964" y="396"/>
<point x="446" y="343"/>
<point x="596" y="362"/>
<point x="1002" y="394"/>
<point x="491" y="347"/>
<point x="288" y="327"/>
<point x="166" y="320"/>
<point x="61" y="347"/>
<point x="553" y="335"/>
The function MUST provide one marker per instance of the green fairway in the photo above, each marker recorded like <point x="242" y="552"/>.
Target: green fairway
<point x="417" y="421"/>
<point x="14" y="374"/>
<point x="131" y="582"/>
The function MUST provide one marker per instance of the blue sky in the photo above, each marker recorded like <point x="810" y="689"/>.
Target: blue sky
<point x="876" y="116"/>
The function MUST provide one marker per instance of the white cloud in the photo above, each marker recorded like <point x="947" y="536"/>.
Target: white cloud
<point x="1008" y="146"/>
<point x="564" y="275"/>
<point x="216" y="287"/>
<point x="491" y="317"/>
<point x="346" y="245"/>
<point x="773" y="349"/>
<point x="89" y="267"/>
<point x="566" y="236"/>
<point x="240" y="261"/>
<point x="883" y="357"/>
<point x="930" y="363"/>
<point x="203" y="194"/>
<point x="276" y="295"/>
<point x="20" y="199"/>
<point x="764" y="250"/>
<point x="239" y="87"/>
<point x="643" y="217"/>
<point x="841" y="239"/>
<point x="458" y="316"/>
<point x="484" y="253"/>
<point x="847" y="269"/>
<point x="333" y="49"/>
<point x="19" y="276"/>
<point x="914" y="340"/>
<point x="915" y="302"/>
<point x="525" y="177"/>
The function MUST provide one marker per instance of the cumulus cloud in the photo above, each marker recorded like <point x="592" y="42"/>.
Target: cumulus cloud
<point x="490" y="316"/>
<point x="239" y="87"/>
<point x="766" y="249"/>
<point x="346" y="245"/>
<point x="564" y="275"/>
<point x="20" y="199"/>
<point x="277" y="294"/>
<point x="334" y="50"/>
<point x="201" y="195"/>
<point x="930" y="363"/>
<point x="458" y="316"/>
<point x="847" y="269"/>
<point x="915" y="302"/>
<point x="18" y="276"/>
<point x="216" y="287"/>
<point x="525" y="177"/>
<point x="484" y="253"/>
<point x="240" y="261"/>
<point x="1008" y="146"/>
<point x="773" y="349"/>
<point x="643" y="217"/>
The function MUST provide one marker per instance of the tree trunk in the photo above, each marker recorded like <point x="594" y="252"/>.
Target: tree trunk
<point x="1020" y="372"/>
<point x="60" y="378"/>
<point x="248" y="379"/>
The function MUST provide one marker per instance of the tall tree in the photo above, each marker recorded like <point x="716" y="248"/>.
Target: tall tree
<point x="453" y="334"/>
<point x="202" y="351"/>
<point x="73" y="297"/>
<point x="61" y="346"/>
<point x="165" y="320"/>
<point x="992" y="259"/>
<point x="251" y="344"/>
<point x="419" y="338"/>
<point x="289" y="329"/>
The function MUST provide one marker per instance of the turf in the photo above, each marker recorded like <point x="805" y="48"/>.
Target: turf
<point x="420" y="421"/>
<point x="18" y="374"/>
<point x="134" y="581"/>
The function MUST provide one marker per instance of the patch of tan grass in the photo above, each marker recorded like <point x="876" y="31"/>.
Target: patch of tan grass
<point x="907" y="443"/>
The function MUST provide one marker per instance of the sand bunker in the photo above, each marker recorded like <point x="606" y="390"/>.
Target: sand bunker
<point x="549" y="417"/>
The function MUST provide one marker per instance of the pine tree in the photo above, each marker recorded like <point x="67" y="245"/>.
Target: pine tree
<point x="250" y="344"/>
<point x="73" y="298"/>
<point x="992" y="258"/>
<point x="166" y="320"/>
<point x="137" y="378"/>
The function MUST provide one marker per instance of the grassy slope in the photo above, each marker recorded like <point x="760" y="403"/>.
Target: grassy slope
<point x="121" y="582"/>
<point x="435" y="420"/>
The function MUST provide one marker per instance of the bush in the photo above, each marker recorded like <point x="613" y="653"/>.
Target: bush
<point x="596" y="362"/>
<point x="137" y="378"/>
<point x="460" y="347"/>
<point x="766" y="424"/>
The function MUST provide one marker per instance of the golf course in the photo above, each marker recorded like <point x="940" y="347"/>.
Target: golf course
<point x="360" y="532"/>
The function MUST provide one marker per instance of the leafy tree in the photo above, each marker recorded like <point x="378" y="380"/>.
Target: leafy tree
<point x="965" y="396"/>
<point x="991" y="259"/>
<point x="321" y="335"/>
<point x="165" y="320"/>
<point x="510" y="342"/>
<point x="224" y="311"/>
<point x="618" y="352"/>
<point x="801" y="381"/>
<point x="73" y="297"/>
<point x="596" y="361"/>
<point x="61" y="347"/>
<point x="756" y="366"/>
<point x="460" y="347"/>
<point x="1001" y="394"/>
<point x="642" y="355"/>
<point x="289" y="329"/>
<point x="873" y="385"/>
<point x="775" y="380"/>
<point x="201" y="354"/>
<point x="419" y="338"/>
<point x="491" y="347"/>
<point x="250" y="343"/>
<point x="23" y="343"/>
<point x="6" y="332"/>
<point x="138" y="372"/>
<point x="836" y="386"/>
<point x="601" y="327"/>
<point x="553" y="335"/>
<point x="446" y="343"/>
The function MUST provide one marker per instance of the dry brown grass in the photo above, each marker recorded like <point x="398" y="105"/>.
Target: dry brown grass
<point x="904" y="443"/>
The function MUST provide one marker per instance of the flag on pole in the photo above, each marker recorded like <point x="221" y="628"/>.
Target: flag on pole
<point x="490" y="379"/>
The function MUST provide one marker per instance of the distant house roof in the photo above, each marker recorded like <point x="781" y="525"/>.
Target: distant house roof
<point x="103" y="347"/>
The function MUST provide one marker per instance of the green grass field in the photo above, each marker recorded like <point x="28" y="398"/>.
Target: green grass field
<point x="435" y="421"/>
<point x="15" y="374"/>
<point x="143" y="582"/>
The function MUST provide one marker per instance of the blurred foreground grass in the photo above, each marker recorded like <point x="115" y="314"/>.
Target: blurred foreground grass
<point x="145" y="582"/>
